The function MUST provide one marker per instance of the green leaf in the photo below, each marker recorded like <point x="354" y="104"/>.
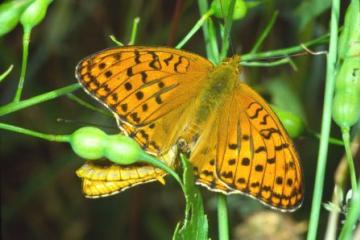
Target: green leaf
<point x="195" y="224"/>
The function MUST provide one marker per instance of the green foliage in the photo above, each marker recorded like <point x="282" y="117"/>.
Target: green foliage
<point x="195" y="224"/>
<point x="122" y="149"/>
<point x="221" y="8"/>
<point x="349" y="41"/>
<point x="28" y="12"/>
<point x="92" y="143"/>
<point x="346" y="108"/>
<point x="293" y="124"/>
<point x="6" y="73"/>
<point x="10" y="13"/>
<point x="88" y="142"/>
<point x="34" y="13"/>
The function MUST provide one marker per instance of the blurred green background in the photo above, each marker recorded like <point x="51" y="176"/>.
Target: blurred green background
<point x="41" y="196"/>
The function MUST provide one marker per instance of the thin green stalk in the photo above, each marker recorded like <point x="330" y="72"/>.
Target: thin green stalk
<point x="15" y="106"/>
<point x="134" y="31"/>
<point x="213" y="42"/>
<point x="211" y="45"/>
<point x="227" y="29"/>
<point x="117" y="42"/>
<point x="49" y="137"/>
<point x="284" y="51"/>
<point x="195" y="28"/>
<point x="7" y="72"/>
<point x="26" y="42"/>
<point x="87" y="105"/>
<point x="222" y="217"/>
<point x="267" y="64"/>
<point x="332" y="140"/>
<point x="352" y="216"/>
<point x="157" y="163"/>
<point x="349" y="158"/>
<point x="326" y="121"/>
<point x="265" y="33"/>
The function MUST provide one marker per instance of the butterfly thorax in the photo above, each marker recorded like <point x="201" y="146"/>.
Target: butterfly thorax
<point x="220" y="83"/>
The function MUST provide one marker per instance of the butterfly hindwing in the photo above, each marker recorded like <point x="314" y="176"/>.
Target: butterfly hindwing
<point x="254" y="154"/>
<point x="101" y="180"/>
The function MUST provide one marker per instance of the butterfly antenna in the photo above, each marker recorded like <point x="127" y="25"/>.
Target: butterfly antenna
<point x="62" y="120"/>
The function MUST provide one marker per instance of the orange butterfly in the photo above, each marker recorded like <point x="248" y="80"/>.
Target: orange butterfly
<point x="173" y="101"/>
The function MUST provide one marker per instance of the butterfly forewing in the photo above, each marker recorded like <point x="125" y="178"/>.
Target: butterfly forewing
<point x="142" y="85"/>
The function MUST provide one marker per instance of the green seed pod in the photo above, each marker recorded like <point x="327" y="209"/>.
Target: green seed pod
<point x="293" y="124"/>
<point x="34" y="14"/>
<point x="89" y="142"/>
<point x="221" y="8"/>
<point x="349" y="75"/>
<point x="349" y="42"/>
<point x="122" y="150"/>
<point x="346" y="108"/>
<point x="9" y="15"/>
<point x="346" y="105"/>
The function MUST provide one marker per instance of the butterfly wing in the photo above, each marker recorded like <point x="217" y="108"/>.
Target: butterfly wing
<point x="250" y="153"/>
<point x="146" y="88"/>
<point x="101" y="180"/>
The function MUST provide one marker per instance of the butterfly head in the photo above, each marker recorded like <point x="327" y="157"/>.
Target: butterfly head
<point x="233" y="61"/>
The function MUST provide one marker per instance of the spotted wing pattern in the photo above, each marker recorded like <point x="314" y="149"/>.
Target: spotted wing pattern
<point x="250" y="153"/>
<point x="147" y="88"/>
<point x="154" y="93"/>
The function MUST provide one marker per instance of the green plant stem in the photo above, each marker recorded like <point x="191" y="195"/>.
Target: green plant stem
<point x="227" y="29"/>
<point x="265" y="33"/>
<point x="352" y="216"/>
<point x="134" y="31"/>
<point x="209" y="32"/>
<point x="284" y="51"/>
<point x="117" y="42"/>
<point x="7" y="72"/>
<point x="350" y="161"/>
<point x="26" y="42"/>
<point x="222" y="217"/>
<point x="312" y="133"/>
<point x="15" y="106"/>
<point x="267" y="64"/>
<point x="49" y="137"/>
<point x="326" y="122"/>
<point x="155" y="162"/>
<point x="89" y="106"/>
<point x="196" y="27"/>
